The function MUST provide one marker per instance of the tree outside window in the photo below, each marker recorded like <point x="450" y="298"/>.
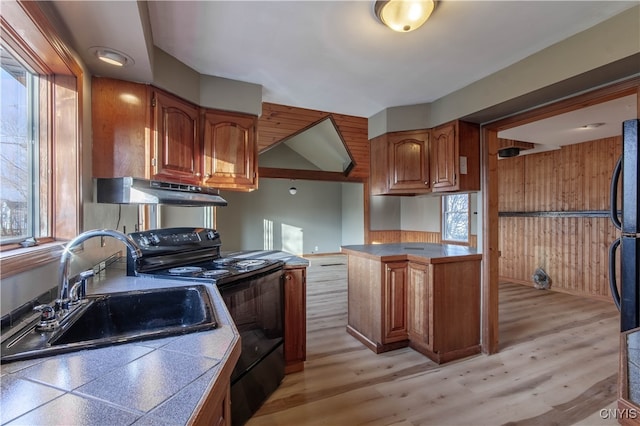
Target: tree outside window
<point x="455" y="218"/>
<point x="19" y="193"/>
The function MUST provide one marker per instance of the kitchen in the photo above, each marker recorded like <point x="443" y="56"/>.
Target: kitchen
<point x="98" y="216"/>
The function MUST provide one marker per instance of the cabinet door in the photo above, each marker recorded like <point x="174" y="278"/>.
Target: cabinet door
<point x="420" y="326"/>
<point x="230" y="150"/>
<point x="444" y="158"/>
<point x="409" y="161"/>
<point x="177" y="141"/>
<point x="121" y="118"/>
<point x="295" y="319"/>
<point x="395" y="300"/>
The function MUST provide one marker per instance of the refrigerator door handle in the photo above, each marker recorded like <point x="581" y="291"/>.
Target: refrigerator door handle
<point x="613" y="284"/>
<point x="613" y="194"/>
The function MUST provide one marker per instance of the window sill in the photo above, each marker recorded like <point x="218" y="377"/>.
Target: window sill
<point x="19" y="260"/>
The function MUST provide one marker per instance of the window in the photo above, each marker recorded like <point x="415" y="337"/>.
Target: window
<point x="455" y="218"/>
<point x="19" y="152"/>
<point x="40" y="149"/>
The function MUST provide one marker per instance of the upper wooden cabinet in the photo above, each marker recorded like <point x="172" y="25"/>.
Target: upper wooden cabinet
<point x="177" y="142"/>
<point x="230" y="150"/>
<point x="400" y="163"/>
<point x="121" y="121"/>
<point x="455" y="157"/>
<point x="442" y="159"/>
<point x="145" y="132"/>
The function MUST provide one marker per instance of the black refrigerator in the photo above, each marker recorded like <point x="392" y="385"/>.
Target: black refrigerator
<point x="626" y="295"/>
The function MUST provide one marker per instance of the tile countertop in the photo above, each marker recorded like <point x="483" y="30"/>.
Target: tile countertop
<point x="290" y="260"/>
<point x="159" y="382"/>
<point x="633" y="366"/>
<point x="418" y="252"/>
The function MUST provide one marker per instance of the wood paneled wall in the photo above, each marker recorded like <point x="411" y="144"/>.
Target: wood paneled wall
<point x="279" y="122"/>
<point x="572" y="250"/>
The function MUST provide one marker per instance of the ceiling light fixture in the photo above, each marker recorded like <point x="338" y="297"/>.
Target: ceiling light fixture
<point x="592" y="125"/>
<point x="111" y="56"/>
<point x="403" y="15"/>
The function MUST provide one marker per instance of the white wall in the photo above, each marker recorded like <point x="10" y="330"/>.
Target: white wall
<point x="298" y="223"/>
<point x="352" y="213"/>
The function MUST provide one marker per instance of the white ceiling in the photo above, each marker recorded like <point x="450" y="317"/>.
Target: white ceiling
<point x="330" y="55"/>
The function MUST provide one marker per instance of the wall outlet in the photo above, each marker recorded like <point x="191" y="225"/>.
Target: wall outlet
<point x="315" y="249"/>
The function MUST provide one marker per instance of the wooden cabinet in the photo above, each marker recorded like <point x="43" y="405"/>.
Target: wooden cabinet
<point x="295" y="319"/>
<point x="377" y="303"/>
<point x="394" y="312"/>
<point x="444" y="309"/>
<point x="121" y="120"/>
<point x="230" y="150"/>
<point x="400" y="163"/>
<point x="433" y="306"/>
<point x="419" y="292"/>
<point x="177" y="141"/>
<point x="145" y="132"/>
<point x="455" y="157"/>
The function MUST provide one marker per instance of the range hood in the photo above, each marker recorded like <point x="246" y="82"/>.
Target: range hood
<point x="129" y="190"/>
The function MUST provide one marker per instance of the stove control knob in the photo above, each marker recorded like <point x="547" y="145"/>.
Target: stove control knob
<point x="144" y="240"/>
<point x="211" y="235"/>
<point x="155" y="240"/>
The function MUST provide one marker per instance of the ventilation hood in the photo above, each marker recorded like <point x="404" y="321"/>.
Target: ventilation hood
<point x="129" y="190"/>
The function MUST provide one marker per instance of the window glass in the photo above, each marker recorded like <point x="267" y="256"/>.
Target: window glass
<point x="19" y="151"/>
<point x="455" y="217"/>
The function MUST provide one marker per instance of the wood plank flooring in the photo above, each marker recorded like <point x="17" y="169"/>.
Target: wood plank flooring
<point x="557" y="366"/>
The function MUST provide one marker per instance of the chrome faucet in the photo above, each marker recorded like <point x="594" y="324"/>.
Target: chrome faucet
<point x="79" y="288"/>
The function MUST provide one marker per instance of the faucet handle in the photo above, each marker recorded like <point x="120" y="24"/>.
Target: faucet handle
<point x="48" y="318"/>
<point x="78" y="291"/>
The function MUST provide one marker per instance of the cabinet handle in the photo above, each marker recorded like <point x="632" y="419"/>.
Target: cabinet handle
<point x="208" y="175"/>
<point x="198" y="174"/>
<point x="287" y="277"/>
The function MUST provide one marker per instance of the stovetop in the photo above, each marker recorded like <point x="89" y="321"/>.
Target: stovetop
<point x="193" y="254"/>
<point x="219" y="270"/>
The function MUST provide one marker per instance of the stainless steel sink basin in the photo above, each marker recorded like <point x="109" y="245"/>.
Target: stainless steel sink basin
<point x="117" y="318"/>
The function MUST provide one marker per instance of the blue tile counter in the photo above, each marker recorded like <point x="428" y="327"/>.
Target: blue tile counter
<point x="160" y="382"/>
<point x="290" y="260"/>
<point x="417" y="252"/>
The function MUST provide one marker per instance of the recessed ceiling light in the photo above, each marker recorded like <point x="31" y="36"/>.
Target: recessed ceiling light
<point x="592" y="125"/>
<point x="111" y="56"/>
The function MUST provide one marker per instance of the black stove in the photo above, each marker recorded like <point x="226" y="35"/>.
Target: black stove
<point x="194" y="254"/>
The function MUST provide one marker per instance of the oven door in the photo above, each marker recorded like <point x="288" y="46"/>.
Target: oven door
<point x="256" y="306"/>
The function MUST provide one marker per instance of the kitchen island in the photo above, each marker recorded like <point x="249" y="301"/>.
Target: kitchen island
<point x="422" y="295"/>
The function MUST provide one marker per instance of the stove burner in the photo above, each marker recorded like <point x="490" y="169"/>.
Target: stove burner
<point x="222" y="261"/>
<point x="215" y="273"/>
<point x="250" y="263"/>
<point x="185" y="270"/>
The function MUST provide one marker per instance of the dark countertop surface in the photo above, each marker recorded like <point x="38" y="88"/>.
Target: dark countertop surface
<point x="419" y="252"/>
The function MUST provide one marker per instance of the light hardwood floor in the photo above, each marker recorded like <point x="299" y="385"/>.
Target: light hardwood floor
<point x="557" y="366"/>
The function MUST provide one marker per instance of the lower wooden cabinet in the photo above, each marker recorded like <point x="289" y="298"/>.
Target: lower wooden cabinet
<point x="394" y="306"/>
<point x="444" y="309"/>
<point x="432" y="307"/>
<point x="295" y="319"/>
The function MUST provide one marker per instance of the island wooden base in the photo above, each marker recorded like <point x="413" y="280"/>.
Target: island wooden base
<point x="442" y="357"/>
<point x="628" y="413"/>
<point x="430" y="304"/>
<point x="376" y="347"/>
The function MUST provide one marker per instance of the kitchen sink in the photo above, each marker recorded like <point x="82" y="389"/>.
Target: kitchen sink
<point x="114" y="318"/>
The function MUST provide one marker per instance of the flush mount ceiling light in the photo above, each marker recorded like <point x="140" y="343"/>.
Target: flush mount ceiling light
<point x="592" y="125"/>
<point x="111" y="56"/>
<point x="403" y="15"/>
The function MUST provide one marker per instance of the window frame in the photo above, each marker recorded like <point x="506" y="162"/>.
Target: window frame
<point x="443" y="221"/>
<point x="27" y="31"/>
